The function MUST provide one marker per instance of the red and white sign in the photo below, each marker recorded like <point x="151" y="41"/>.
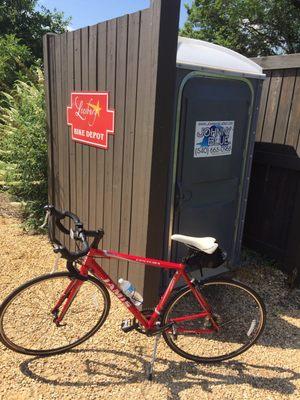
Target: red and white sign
<point x="90" y="119"/>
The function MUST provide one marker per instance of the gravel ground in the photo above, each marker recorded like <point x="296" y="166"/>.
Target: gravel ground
<point x="112" y="365"/>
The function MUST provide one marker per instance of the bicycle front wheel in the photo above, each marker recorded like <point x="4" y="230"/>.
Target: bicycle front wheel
<point x="27" y="322"/>
<point x="237" y="309"/>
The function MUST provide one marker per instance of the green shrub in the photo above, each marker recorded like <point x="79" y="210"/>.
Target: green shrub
<point x="24" y="146"/>
<point x="14" y="59"/>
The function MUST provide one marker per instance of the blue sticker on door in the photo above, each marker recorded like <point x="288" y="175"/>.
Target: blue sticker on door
<point x="213" y="138"/>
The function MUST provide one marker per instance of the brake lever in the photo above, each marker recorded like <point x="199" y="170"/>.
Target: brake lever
<point x="45" y="220"/>
<point x="55" y="265"/>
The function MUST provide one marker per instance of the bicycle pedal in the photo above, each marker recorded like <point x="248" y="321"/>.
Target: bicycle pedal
<point x="128" y="325"/>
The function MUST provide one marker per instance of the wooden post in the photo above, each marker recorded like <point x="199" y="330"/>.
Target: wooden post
<point x="166" y="28"/>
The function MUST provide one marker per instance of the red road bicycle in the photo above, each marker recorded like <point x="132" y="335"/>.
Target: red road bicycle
<point x="205" y="321"/>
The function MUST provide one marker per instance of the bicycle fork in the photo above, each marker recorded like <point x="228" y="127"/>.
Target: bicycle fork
<point x="66" y="300"/>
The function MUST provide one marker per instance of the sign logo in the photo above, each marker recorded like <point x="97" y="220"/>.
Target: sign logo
<point x="213" y="138"/>
<point x="90" y="119"/>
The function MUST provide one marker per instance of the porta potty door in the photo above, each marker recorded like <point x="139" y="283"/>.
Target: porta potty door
<point x="212" y="140"/>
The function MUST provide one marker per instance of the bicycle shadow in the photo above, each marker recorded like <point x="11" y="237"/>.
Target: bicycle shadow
<point x="175" y="376"/>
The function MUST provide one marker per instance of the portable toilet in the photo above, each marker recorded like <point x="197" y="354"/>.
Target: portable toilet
<point x="218" y="93"/>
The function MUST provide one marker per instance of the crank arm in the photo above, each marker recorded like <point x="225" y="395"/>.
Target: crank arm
<point x="160" y="330"/>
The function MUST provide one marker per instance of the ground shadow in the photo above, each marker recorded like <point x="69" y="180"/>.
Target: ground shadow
<point x="177" y="376"/>
<point x="282" y="303"/>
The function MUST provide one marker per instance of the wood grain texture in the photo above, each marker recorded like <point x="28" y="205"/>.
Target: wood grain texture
<point x="121" y="68"/>
<point x="85" y="149"/>
<point x="141" y="155"/>
<point x="272" y="106"/>
<point x="284" y="107"/>
<point x="109" y="155"/>
<point x="78" y="146"/>
<point x="263" y="106"/>
<point x="129" y="134"/>
<point x="133" y="58"/>
<point x="278" y="62"/>
<point x="273" y="205"/>
<point x="293" y="129"/>
<point x="92" y="86"/>
<point x="48" y="70"/>
<point x="100" y="155"/>
<point x="65" y="134"/>
<point x="72" y="147"/>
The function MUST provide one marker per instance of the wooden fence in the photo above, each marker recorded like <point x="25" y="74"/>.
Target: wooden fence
<point x="273" y="213"/>
<point x="133" y="58"/>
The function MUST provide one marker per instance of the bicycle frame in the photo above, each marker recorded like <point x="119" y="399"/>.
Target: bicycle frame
<point x="90" y="265"/>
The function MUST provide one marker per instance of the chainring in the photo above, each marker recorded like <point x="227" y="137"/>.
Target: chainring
<point x="147" y="312"/>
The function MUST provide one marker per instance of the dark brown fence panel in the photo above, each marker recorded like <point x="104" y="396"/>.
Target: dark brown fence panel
<point x="263" y="105"/>
<point x="78" y="146"/>
<point x="101" y="83"/>
<point x="273" y="204"/>
<point x="142" y="145"/>
<point x="116" y="206"/>
<point x="92" y="76"/>
<point x="72" y="148"/>
<point x="109" y="155"/>
<point x="134" y="59"/>
<point x="133" y="54"/>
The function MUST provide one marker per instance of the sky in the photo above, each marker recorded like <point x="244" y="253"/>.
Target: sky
<point x="90" y="12"/>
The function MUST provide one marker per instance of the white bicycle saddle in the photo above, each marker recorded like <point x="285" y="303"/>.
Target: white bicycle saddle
<point x="206" y="244"/>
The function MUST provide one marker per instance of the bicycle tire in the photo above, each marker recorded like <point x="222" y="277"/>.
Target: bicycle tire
<point x="216" y="342"/>
<point x="24" y="318"/>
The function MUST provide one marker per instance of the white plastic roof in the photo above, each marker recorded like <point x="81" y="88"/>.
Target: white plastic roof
<point x="197" y="54"/>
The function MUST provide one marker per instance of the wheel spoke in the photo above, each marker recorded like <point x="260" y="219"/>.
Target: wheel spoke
<point x="26" y="321"/>
<point x="234" y="308"/>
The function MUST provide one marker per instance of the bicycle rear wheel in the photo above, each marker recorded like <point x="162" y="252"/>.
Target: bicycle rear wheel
<point x="238" y="310"/>
<point x="27" y="323"/>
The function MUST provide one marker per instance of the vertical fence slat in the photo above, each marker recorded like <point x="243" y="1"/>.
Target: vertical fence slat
<point x="49" y="71"/>
<point x="141" y="155"/>
<point x="129" y="135"/>
<point x="78" y="146"/>
<point x="92" y="76"/>
<point x="64" y="133"/>
<point x="60" y="189"/>
<point x="72" y="155"/>
<point x="64" y="127"/>
<point x="54" y="124"/>
<point x="70" y="88"/>
<point x="85" y="149"/>
<point x="164" y="36"/>
<point x="121" y="65"/>
<point x="101" y="86"/>
<point x="109" y="155"/>
<point x="284" y="106"/>
<point x="263" y="106"/>
<point x="272" y="106"/>
<point x="60" y="192"/>
<point x="293" y="133"/>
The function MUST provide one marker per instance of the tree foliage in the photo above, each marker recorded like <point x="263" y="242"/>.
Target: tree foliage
<point x="24" y="145"/>
<point x="13" y="61"/>
<point x="29" y="23"/>
<point x="251" y="27"/>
